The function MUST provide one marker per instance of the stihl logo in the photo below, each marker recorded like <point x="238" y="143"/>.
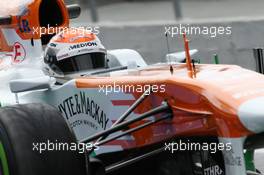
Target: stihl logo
<point x="78" y="46"/>
<point x="19" y="53"/>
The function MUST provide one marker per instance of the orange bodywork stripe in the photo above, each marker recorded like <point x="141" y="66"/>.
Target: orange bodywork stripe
<point x="212" y="93"/>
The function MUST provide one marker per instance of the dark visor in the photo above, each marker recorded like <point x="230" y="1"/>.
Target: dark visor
<point x="82" y="63"/>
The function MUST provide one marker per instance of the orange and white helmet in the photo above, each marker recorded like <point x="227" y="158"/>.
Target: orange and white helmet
<point x="74" y="51"/>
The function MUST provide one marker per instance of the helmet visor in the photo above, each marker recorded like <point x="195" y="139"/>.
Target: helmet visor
<point x="80" y="63"/>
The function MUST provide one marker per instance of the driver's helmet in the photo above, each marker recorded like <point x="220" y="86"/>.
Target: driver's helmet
<point x="74" y="52"/>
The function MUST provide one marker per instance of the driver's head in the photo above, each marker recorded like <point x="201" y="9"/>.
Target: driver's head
<point x="74" y="51"/>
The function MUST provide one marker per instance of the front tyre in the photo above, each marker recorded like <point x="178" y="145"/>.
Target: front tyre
<point x="22" y="127"/>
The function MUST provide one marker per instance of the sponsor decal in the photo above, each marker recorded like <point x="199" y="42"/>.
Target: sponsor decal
<point x="19" y="53"/>
<point x="61" y="57"/>
<point x="213" y="170"/>
<point x="78" y="104"/>
<point x="88" y="123"/>
<point x="232" y="159"/>
<point x="24" y="26"/>
<point x="78" y="46"/>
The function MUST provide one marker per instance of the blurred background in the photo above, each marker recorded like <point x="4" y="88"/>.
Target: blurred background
<point x="140" y="25"/>
<point x="166" y="10"/>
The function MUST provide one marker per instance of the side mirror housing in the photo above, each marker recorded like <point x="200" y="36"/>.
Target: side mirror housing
<point x="74" y="11"/>
<point x="179" y="57"/>
<point x="24" y="85"/>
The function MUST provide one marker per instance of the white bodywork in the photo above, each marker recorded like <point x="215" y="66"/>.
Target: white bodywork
<point x="29" y="84"/>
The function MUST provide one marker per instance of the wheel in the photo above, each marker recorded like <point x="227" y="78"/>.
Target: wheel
<point x="22" y="128"/>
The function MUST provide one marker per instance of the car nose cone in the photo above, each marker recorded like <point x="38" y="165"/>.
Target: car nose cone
<point x="251" y="114"/>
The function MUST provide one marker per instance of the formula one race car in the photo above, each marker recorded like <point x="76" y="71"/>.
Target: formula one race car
<point x="166" y="118"/>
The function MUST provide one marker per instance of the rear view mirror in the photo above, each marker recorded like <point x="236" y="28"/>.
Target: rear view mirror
<point x="24" y="85"/>
<point x="5" y="20"/>
<point x="74" y="11"/>
<point x="179" y="57"/>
